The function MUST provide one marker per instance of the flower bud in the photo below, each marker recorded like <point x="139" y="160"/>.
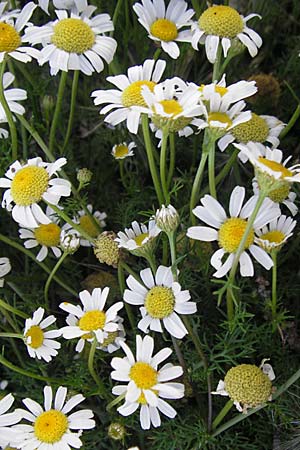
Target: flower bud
<point x="84" y="175"/>
<point x="167" y="218"/>
<point x="69" y="241"/>
<point x="106" y="249"/>
<point x="116" y="431"/>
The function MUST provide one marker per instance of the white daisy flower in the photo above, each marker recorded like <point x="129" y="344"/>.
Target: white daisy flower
<point x="5" y="268"/>
<point x="30" y="183"/>
<point x="69" y="241"/>
<point x="222" y="24"/>
<point x="229" y="231"/>
<point x="162" y="300"/>
<point x="147" y="385"/>
<point x="92" y="322"/>
<point x="163" y="24"/>
<point x="45" y="235"/>
<point x="88" y="224"/>
<point x="275" y="235"/>
<point x="13" y="96"/>
<point x="281" y="195"/>
<point x="40" y="344"/>
<point x="258" y="129"/>
<point x="138" y="237"/>
<point x="127" y="99"/>
<point x="12" y="25"/>
<point x="51" y="428"/>
<point x="58" y="4"/>
<point x="228" y="94"/>
<point x="76" y="42"/>
<point x="247" y="385"/>
<point x="7" y="419"/>
<point x="121" y="151"/>
<point x="173" y="105"/>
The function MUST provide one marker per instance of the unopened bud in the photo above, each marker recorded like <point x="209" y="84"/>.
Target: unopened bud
<point x="167" y="218"/>
<point x="69" y="241"/>
<point x="84" y="175"/>
<point x="116" y="431"/>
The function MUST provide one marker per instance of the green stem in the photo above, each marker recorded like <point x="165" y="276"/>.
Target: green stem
<point x="116" y="13"/>
<point x="172" y="244"/>
<point x="92" y="371"/>
<point x="211" y="171"/>
<point x="152" y="262"/>
<point x="217" y="64"/>
<point x="162" y="166"/>
<point x="60" y="94"/>
<point x="196" y="186"/>
<point x="291" y="123"/>
<point x="222" y="414"/>
<point x="238" y="418"/>
<point x="41" y="264"/>
<point x="152" y="167"/>
<point x="11" y="335"/>
<point x="50" y="278"/>
<point x="10" y="308"/>
<point x="122" y="174"/>
<point x="121" y="279"/>
<point x="9" y="116"/>
<point x="157" y="54"/>
<point x="241" y="247"/>
<point x="130" y="271"/>
<point x="274" y="286"/>
<point x="172" y="159"/>
<point x="72" y="108"/>
<point x="74" y="225"/>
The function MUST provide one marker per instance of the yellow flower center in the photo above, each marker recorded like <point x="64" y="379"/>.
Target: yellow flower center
<point x="222" y="21"/>
<point x="143" y="375"/>
<point x="73" y="36"/>
<point x="50" y="426"/>
<point x="248" y="385"/>
<point x="172" y="107"/>
<point x="140" y="238"/>
<point x="255" y="130"/>
<point x="274" y="236"/>
<point x="29" y="185"/>
<point x="223" y="118"/>
<point x="88" y="225"/>
<point x="276" y="167"/>
<point x="92" y="320"/>
<point x="132" y="95"/>
<point x="281" y="193"/>
<point x="160" y="302"/>
<point x="110" y="339"/>
<point x="48" y="234"/>
<point x="164" y="29"/>
<point x="36" y="335"/>
<point x="231" y="233"/>
<point x="121" y="151"/>
<point x="9" y="38"/>
<point x="219" y="89"/>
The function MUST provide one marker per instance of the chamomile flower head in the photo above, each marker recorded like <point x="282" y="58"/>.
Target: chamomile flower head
<point x="75" y="41"/>
<point x="247" y="385"/>
<point x="259" y="129"/>
<point x="113" y="341"/>
<point x="147" y="384"/>
<point x="283" y="195"/>
<point x="12" y="96"/>
<point x="45" y="235"/>
<point x="161" y="300"/>
<point x="5" y="268"/>
<point x="228" y="94"/>
<point x="167" y="218"/>
<point x="40" y="343"/>
<point x="92" y="226"/>
<point x="123" y="150"/>
<point x="58" y="4"/>
<point x="229" y="231"/>
<point x="90" y="322"/>
<point x="51" y="427"/>
<point x="7" y="419"/>
<point x="127" y="100"/>
<point x="69" y="241"/>
<point x="172" y="105"/>
<point x="11" y="27"/>
<point x="27" y="184"/>
<point x="222" y="25"/>
<point x="106" y="249"/>
<point x="163" y="24"/>
<point x="276" y="233"/>
<point x="138" y="239"/>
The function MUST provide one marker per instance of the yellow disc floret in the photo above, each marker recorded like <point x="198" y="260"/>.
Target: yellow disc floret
<point x="255" y="130"/>
<point x="231" y="233"/>
<point x="132" y="95"/>
<point x="164" y="29"/>
<point x="73" y="36"/>
<point x="171" y="107"/>
<point x="276" y="167"/>
<point x="280" y="194"/>
<point x="48" y="234"/>
<point x="121" y="151"/>
<point x="29" y="185"/>
<point x="140" y="238"/>
<point x="92" y="320"/>
<point x="36" y="336"/>
<point x="274" y="236"/>
<point x="160" y="302"/>
<point x="222" y="21"/>
<point x="110" y="339"/>
<point x="88" y="225"/>
<point x="223" y="118"/>
<point x="143" y="375"/>
<point x="50" y="426"/>
<point x="248" y="385"/>
<point x="9" y="38"/>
